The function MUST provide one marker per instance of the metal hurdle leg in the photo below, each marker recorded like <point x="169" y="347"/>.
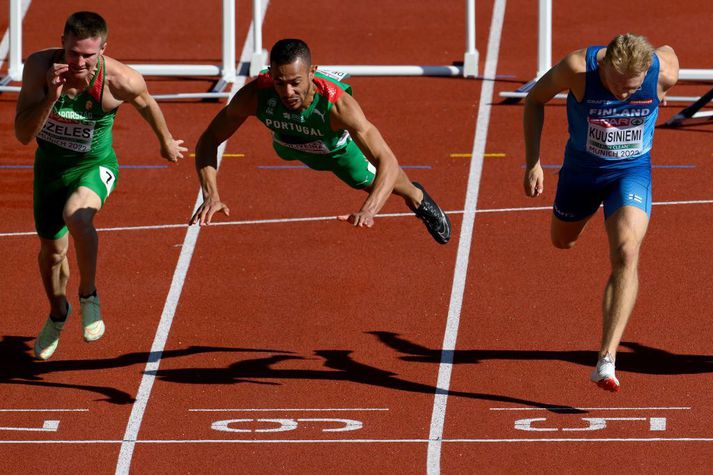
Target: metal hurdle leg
<point x="691" y="115"/>
<point x="225" y="72"/>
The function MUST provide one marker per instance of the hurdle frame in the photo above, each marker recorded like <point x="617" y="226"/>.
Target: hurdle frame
<point x="468" y="70"/>
<point x="227" y="70"/>
<point x="224" y="72"/>
<point x="544" y="60"/>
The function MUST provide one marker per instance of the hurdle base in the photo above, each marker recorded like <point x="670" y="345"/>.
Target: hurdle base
<point x="470" y="65"/>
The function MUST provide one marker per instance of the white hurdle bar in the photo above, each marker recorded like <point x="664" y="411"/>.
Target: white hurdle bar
<point x="469" y="68"/>
<point x="225" y="72"/>
<point x="14" y="46"/>
<point x="544" y="59"/>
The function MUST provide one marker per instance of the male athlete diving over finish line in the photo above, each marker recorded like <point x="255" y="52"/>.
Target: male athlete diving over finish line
<point x="314" y="119"/>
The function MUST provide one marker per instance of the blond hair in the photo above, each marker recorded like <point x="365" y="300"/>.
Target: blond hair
<point x="629" y="54"/>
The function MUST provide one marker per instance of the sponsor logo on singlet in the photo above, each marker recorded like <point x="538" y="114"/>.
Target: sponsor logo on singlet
<point x="69" y="130"/>
<point x="316" y="146"/>
<point x="616" y="135"/>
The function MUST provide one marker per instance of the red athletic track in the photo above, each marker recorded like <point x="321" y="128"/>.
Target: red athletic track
<point x="318" y="315"/>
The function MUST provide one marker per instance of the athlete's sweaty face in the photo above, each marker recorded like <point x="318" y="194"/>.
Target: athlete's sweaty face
<point x="293" y="83"/>
<point x="622" y="86"/>
<point x="82" y="56"/>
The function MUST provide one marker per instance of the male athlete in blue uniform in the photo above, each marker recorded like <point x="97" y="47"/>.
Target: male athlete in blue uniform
<point x="614" y="94"/>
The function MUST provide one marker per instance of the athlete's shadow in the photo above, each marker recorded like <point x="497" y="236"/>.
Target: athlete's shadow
<point x="641" y="358"/>
<point x="341" y="367"/>
<point x="18" y="366"/>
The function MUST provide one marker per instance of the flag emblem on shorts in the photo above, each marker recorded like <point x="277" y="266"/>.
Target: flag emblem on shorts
<point x="635" y="197"/>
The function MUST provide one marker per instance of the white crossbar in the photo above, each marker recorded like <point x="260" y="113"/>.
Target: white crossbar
<point x="544" y="56"/>
<point x="469" y="68"/>
<point x="226" y="72"/>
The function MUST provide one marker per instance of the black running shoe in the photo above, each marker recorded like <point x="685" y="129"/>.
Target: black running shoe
<point x="433" y="217"/>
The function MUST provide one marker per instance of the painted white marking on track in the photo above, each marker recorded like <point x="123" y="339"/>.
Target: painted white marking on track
<point x="293" y="409"/>
<point x="438" y="416"/>
<point x="47" y="426"/>
<point x="365" y="441"/>
<point x="564" y="408"/>
<point x="44" y="410"/>
<point x="334" y="218"/>
<point x="123" y="463"/>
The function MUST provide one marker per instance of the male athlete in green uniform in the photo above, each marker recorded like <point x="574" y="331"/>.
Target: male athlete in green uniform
<point x="314" y="119"/>
<point x="68" y="102"/>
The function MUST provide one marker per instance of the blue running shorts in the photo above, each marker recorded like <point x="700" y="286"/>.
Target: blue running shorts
<point x="581" y="190"/>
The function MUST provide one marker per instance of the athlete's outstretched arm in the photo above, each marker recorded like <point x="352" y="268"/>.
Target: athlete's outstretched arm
<point x="347" y="114"/>
<point x="128" y="85"/>
<point x="559" y="78"/>
<point x="223" y="125"/>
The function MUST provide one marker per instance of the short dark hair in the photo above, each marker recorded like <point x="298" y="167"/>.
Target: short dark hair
<point x="289" y="50"/>
<point x="84" y="25"/>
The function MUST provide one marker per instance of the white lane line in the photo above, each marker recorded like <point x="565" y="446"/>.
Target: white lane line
<point x="364" y="441"/>
<point x="563" y="408"/>
<point x="334" y="218"/>
<point x="159" y="343"/>
<point x="337" y="409"/>
<point x="44" y="410"/>
<point x="438" y="416"/>
<point x="139" y="408"/>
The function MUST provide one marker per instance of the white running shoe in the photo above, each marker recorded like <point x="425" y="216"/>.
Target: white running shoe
<point x="48" y="339"/>
<point x="603" y="374"/>
<point x="91" y="318"/>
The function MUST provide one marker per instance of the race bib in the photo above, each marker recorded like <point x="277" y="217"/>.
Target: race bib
<point x="72" y="134"/>
<point x="615" y="138"/>
<point x="336" y="75"/>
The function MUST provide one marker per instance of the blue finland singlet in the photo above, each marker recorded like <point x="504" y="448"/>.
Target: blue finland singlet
<point x="605" y="132"/>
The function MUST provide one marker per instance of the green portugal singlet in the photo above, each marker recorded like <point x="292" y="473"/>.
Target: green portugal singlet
<point x="74" y="149"/>
<point x="307" y="136"/>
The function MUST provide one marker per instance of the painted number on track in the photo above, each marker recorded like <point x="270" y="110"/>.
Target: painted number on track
<point x="283" y="425"/>
<point x="538" y="424"/>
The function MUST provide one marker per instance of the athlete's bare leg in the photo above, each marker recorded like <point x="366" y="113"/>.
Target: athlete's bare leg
<point x="79" y="212"/>
<point x="54" y="270"/>
<point x="564" y="234"/>
<point x="626" y="229"/>
<point x="404" y="188"/>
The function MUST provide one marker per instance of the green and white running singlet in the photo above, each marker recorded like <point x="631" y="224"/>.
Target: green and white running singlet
<point x="74" y="149"/>
<point x="307" y="136"/>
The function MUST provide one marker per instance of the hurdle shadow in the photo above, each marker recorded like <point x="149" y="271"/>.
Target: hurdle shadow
<point x="340" y="366"/>
<point x="640" y="359"/>
<point x="19" y="367"/>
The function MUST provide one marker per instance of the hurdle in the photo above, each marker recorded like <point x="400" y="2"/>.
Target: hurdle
<point x="11" y="46"/>
<point x="224" y="72"/>
<point x="692" y="115"/>
<point x="469" y="69"/>
<point x="544" y="61"/>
